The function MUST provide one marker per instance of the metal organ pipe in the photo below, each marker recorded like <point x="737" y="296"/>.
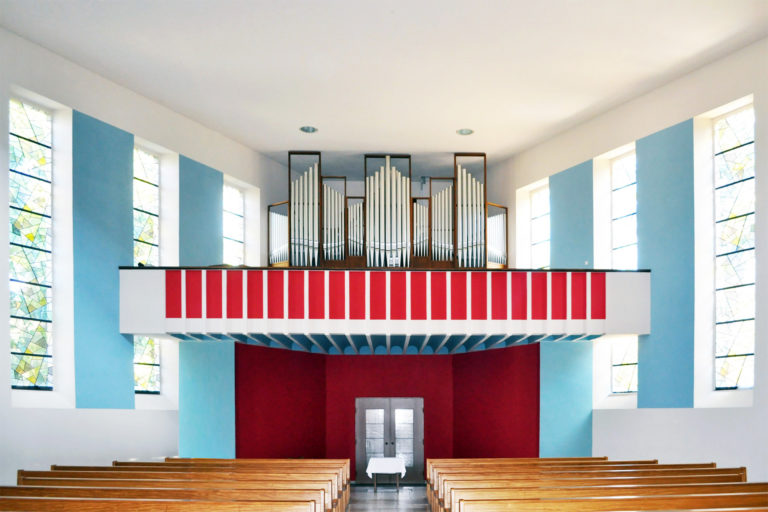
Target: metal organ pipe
<point x="388" y="217"/>
<point x="278" y="237"/>
<point x="304" y="213"/>
<point x="470" y="212"/>
<point x="333" y="224"/>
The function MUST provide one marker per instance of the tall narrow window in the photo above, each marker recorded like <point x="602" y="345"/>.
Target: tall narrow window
<point x="146" y="251"/>
<point x="30" y="256"/>
<point x="234" y="226"/>
<point x="540" y="227"/>
<point x="624" y="257"/>
<point x="734" y="182"/>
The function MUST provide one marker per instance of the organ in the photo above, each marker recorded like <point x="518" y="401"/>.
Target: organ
<point x="388" y="226"/>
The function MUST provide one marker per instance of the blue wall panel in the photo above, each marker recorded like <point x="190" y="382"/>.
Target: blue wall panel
<point x="102" y="194"/>
<point x="566" y="367"/>
<point x="206" y="368"/>
<point x="665" y="232"/>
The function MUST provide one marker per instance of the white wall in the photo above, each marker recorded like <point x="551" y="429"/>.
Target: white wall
<point x="728" y="436"/>
<point x="35" y="437"/>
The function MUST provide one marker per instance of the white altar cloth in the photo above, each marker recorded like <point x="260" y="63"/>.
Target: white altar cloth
<point x="385" y="465"/>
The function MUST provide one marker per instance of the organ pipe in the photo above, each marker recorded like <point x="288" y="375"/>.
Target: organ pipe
<point x="387" y="195"/>
<point x="470" y="212"/>
<point x="304" y="208"/>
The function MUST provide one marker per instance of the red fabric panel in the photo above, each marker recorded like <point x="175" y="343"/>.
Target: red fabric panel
<point x="317" y="294"/>
<point x="357" y="295"/>
<point x="275" y="294"/>
<point x="496" y="393"/>
<point x="559" y="295"/>
<point x="479" y="296"/>
<point x="173" y="293"/>
<point x="498" y="295"/>
<point x="438" y="295"/>
<point x="296" y="294"/>
<point x="255" y="294"/>
<point x="539" y="295"/>
<point x="597" y="293"/>
<point x="234" y="293"/>
<point x="378" y="295"/>
<point x="194" y="293"/>
<point x="337" y="295"/>
<point x="519" y="295"/>
<point x="309" y="400"/>
<point x="397" y="295"/>
<point x="458" y="295"/>
<point x="213" y="294"/>
<point x="418" y="295"/>
<point x="350" y="377"/>
<point x="279" y="403"/>
<point x="578" y="296"/>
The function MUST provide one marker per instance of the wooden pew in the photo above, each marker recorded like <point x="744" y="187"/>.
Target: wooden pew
<point x="344" y="462"/>
<point x="317" y="497"/>
<point x="617" y="504"/>
<point x="259" y="475"/>
<point x="581" y="483"/>
<point x="323" y="486"/>
<point x="534" y="474"/>
<point x="341" y="493"/>
<point x="459" y="495"/>
<point x="96" y="505"/>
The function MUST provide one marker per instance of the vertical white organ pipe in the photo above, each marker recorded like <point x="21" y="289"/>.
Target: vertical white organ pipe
<point x="304" y="218"/>
<point x="387" y="217"/>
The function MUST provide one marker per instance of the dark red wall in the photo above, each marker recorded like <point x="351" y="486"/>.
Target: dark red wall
<point x="294" y="404"/>
<point x="496" y="403"/>
<point x="279" y="403"/>
<point x="349" y="377"/>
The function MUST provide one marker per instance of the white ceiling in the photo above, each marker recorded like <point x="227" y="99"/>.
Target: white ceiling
<point x="397" y="76"/>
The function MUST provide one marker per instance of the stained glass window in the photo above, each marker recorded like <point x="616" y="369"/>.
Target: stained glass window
<point x="30" y="253"/>
<point x="734" y="181"/>
<point x="540" y="227"/>
<point x="234" y="226"/>
<point x="624" y="257"/>
<point x="146" y="251"/>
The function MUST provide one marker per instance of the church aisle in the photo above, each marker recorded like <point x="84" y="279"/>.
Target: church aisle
<point x="409" y="498"/>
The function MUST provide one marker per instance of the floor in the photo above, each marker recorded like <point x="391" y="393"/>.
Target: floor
<point x="387" y="498"/>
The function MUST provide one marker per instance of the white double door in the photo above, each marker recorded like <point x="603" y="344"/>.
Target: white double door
<point x="390" y="427"/>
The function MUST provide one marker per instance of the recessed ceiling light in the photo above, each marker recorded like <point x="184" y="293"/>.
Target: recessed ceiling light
<point x="308" y="129"/>
<point x="465" y="131"/>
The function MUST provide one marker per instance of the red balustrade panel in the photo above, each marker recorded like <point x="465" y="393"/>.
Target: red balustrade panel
<point x="559" y="295"/>
<point x="479" y="296"/>
<point x="173" y="293"/>
<point x="357" y="295"/>
<point x="213" y="294"/>
<point x="597" y="295"/>
<point x="337" y="294"/>
<point x="539" y="295"/>
<point x="275" y="292"/>
<point x="578" y="296"/>
<point x="499" y="295"/>
<point x="317" y="295"/>
<point x="234" y="294"/>
<point x="296" y="294"/>
<point x="458" y="295"/>
<point x="438" y="295"/>
<point x="378" y="295"/>
<point x="519" y="295"/>
<point x="418" y="295"/>
<point x="255" y="294"/>
<point x="194" y="293"/>
<point x="397" y="300"/>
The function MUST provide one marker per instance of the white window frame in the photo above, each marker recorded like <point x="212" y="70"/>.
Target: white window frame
<point x="63" y="394"/>
<point x="705" y="394"/>
<point x="168" y="398"/>
<point x="523" y="218"/>
<point x="602" y="364"/>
